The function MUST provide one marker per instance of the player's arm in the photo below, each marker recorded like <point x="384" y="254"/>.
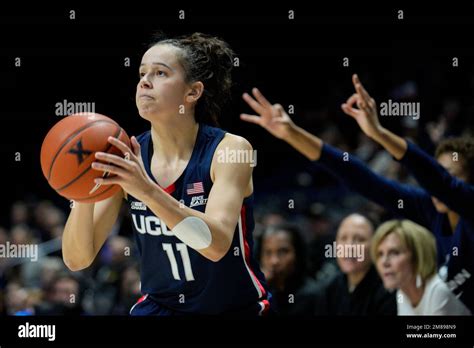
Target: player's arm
<point x="232" y="182"/>
<point x="367" y="118"/>
<point x="86" y="230"/>
<point x="353" y="172"/>
<point x="210" y="233"/>
<point x="276" y="121"/>
<point x="430" y="174"/>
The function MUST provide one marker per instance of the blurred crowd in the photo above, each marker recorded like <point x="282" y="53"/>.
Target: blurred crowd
<point x="46" y="287"/>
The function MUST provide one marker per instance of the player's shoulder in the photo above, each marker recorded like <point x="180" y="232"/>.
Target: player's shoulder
<point x="235" y="150"/>
<point x="233" y="141"/>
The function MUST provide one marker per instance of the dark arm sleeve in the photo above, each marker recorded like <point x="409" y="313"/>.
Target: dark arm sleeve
<point x="455" y="193"/>
<point x="415" y="203"/>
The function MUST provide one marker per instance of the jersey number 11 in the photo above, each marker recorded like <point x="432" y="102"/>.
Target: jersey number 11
<point x="183" y="250"/>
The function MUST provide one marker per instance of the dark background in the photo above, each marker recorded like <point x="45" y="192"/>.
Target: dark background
<point x="295" y="62"/>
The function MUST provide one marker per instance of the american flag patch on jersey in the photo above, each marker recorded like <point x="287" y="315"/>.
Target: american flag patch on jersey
<point x="195" y="188"/>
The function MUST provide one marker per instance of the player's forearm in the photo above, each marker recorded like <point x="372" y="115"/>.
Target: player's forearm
<point x="395" y="145"/>
<point x="304" y="142"/>
<point x="78" y="237"/>
<point x="172" y="212"/>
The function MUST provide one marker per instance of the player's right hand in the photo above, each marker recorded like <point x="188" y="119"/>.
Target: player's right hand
<point x="366" y="113"/>
<point x="272" y="117"/>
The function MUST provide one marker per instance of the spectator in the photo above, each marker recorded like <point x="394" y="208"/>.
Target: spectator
<point x="16" y="299"/>
<point x="21" y="235"/>
<point x="358" y="289"/>
<point x="283" y="261"/>
<point x="405" y="255"/>
<point x="47" y="218"/>
<point x="51" y="268"/>
<point x="444" y="205"/>
<point x="62" y="297"/>
<point x="19" y="213"/>
<point x="129" y="291"/>
<point x="115" y="257"/>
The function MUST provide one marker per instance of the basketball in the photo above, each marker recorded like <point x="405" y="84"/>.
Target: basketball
<point x="69" y="149"/>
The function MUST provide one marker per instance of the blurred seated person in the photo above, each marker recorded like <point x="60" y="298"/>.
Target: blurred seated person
<point x="357" y="290"/>
<point x="62" y="297"/>
<point x="283" y="261"/>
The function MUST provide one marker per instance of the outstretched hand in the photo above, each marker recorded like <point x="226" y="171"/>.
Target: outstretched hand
<point x="366" y="112"/>
<point x="272" y="117"/>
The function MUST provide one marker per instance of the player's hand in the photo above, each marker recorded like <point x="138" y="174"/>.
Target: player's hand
<point x="366" y="113"/>
<point x="272" y="117"/>
<point x="129" y="172"/>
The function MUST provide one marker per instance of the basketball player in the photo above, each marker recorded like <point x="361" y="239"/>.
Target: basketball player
<point x="192" y="211"/>
<point x="444" y="205"/>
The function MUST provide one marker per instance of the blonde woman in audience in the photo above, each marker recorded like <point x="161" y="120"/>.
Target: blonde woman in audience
<point x="405" y="256"/>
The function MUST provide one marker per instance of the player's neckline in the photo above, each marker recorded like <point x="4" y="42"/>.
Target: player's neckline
<point x="148" y="149"/>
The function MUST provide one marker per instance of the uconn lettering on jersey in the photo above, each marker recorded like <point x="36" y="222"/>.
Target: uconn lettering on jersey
<point x="148" y="224"/>
<point x="151" y="224"/>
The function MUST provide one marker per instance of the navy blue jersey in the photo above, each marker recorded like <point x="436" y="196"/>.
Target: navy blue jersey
<point x="177" y="276"/>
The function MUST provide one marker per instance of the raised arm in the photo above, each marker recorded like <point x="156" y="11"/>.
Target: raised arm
<point x="455" y="193"/>
<point x="367" y="118"/>
<point x="276" y="121"/>
<point x="402" y="200"/>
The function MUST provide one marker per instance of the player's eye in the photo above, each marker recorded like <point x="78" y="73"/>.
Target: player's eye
<point x="160" y="73"/>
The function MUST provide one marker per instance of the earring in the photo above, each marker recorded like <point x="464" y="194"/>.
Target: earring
<point x="419" y="281"/>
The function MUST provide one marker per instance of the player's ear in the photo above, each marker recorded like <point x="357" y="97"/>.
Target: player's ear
<point x="194" y="92"/>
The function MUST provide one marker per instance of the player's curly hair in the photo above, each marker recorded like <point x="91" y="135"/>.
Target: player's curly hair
<point x="464" y="146"/>
<point x="207" y="59"/>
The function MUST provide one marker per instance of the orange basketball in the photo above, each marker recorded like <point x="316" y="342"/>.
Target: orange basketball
<point x="69" y="149"/>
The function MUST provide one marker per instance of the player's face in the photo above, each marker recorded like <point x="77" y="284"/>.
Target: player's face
<point x="161" y="89"/>
<point x="354" y="236"/>
<point x="278" y="256"/>
<point x="454" y="166"/>
<point x="394" y="263"/>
